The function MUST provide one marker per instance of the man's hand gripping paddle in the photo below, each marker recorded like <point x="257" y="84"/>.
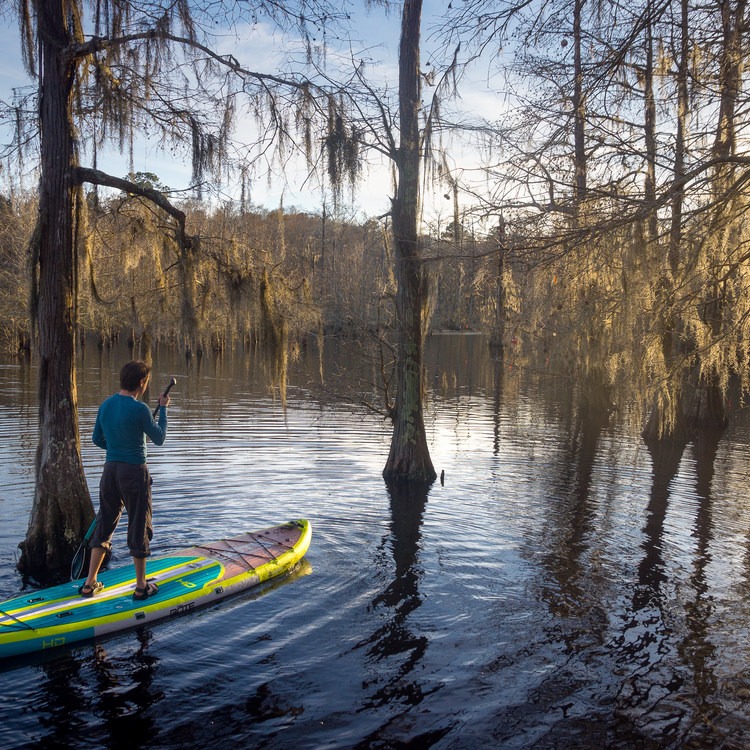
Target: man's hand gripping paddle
<point x="172" y="382"/>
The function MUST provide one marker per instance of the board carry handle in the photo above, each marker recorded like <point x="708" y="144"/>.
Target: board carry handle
<point x="172" y="382"/>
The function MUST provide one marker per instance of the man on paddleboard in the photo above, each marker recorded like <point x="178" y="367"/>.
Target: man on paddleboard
<point x="122" y="425"/>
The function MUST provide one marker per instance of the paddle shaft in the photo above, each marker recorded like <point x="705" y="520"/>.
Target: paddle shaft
<point x="76" y="567"/>
<point x="172" y="382"/>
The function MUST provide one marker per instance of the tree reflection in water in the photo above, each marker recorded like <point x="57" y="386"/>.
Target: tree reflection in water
<point x="568" y="586"/>
<point x="394" y="649"/>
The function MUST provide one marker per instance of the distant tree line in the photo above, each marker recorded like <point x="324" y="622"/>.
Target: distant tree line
<point x="259" y="277"/>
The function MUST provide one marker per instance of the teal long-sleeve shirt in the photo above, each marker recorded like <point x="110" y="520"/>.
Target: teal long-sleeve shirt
<point x="122" y="425"/>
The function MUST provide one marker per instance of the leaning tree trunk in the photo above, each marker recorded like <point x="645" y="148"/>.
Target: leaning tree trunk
<point x="409" y="456"/>
<point x="62" y="505"/>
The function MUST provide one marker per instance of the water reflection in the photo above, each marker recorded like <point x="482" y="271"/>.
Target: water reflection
<point x="125" y="692"/>
<point x="574" y="507"/>
<point x="653" y="638"/>
<point x="88" y="698"/>
<point x="697" y="649"/>
<point x="62" y="695"/>
<point x="498" y="383"/>
<point x="666" y="456"/>
<point x="645" y="645"/>
<point x="567" y="587"/>
<point x="394" y="648"/>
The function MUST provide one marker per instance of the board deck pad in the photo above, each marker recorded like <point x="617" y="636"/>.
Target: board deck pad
<point x="187" y="579"/>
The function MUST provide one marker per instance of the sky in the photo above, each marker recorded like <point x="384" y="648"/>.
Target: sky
<point x="176" y="173"/>
<point x="372" y="197"/>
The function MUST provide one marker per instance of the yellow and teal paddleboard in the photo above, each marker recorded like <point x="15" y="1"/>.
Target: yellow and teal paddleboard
<point x="187" y="579"/>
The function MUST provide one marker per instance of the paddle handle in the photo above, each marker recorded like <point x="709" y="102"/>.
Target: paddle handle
<point x="172" y="382"/>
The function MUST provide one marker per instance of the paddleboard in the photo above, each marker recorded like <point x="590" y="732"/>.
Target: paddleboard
<point x="187" y="579"/>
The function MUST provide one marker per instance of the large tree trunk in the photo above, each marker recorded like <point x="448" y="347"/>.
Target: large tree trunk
<point x="708" y="408"/>
<point x="579" y="110"/>
<point x="661" y="425"/>
<point x="683" y="111"/>
<point x="649" y="131"/>
<point x="409" y="456"/>
<point x="62" y="506"/>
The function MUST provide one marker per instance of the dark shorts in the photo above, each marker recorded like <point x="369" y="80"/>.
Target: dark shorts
<point x="125" y="487"/>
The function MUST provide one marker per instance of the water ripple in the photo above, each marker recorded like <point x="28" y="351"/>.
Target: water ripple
<point x="563" y="586"/>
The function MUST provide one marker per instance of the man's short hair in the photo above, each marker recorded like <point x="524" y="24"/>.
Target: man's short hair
<point x="132" y="373"/>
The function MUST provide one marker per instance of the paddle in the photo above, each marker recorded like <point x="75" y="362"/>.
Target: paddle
<point x="172" y="382"/>
<point x="76" y="567"/>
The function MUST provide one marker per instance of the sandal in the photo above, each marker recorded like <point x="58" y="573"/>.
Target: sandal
<point x="87" y="590"/>
<point x="144" y="593"/>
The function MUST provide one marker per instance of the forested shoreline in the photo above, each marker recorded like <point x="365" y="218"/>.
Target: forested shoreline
<point x="258" y="277"/>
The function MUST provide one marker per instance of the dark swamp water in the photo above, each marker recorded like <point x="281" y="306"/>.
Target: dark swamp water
<point x="564" y="588"/>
